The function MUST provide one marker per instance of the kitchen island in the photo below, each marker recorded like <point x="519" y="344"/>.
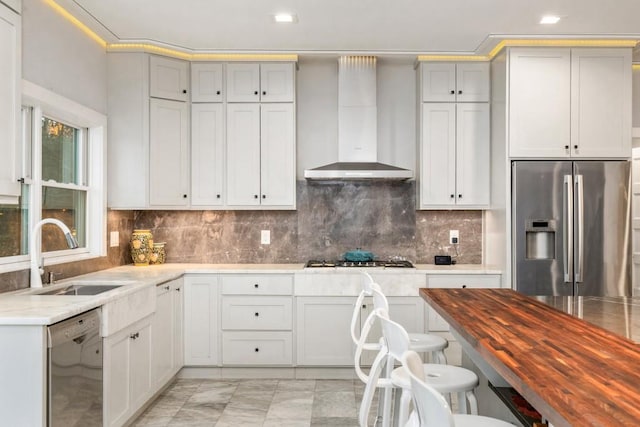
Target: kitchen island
<point x="575" y="372"/>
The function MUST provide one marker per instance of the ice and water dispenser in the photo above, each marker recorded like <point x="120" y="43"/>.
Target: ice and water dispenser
<point x="541" y="239"/>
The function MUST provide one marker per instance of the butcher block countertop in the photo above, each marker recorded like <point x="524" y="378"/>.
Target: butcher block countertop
<point x="573" y="372"/>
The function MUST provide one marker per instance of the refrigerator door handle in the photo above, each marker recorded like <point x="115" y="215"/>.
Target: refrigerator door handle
<point x="567" y="230"/>
<point x="579" y="182"/>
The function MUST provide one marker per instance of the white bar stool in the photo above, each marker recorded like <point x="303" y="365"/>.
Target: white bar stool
<point x="444" y="378"/>
<point x="431" y="407"/>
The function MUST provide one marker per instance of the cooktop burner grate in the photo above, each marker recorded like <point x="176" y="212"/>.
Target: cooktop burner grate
<point x="374" y="263"/>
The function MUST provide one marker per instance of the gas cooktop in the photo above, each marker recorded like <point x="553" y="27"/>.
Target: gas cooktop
<point x="374" y="263"/>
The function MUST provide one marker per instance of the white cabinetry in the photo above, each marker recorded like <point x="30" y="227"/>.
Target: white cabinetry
<point x="169" y="78"/>
<point x="260" y="155"/>
<point x="268" y="82"/>
<point x="167" y="341"/>
<point x="168" y="154"/>
<point x="450" y="82"/>
<point x="454" y="155"/>
<point x="257" y="319"/>
<point x="201" y="320"/>
<point x="436" y="324"/>
<point x="569" y="102"/>
<point x="10" y="101"/>
<point x="207" y="154"/>
<point x="127" y="368"/>
<point x="207" y="82"/>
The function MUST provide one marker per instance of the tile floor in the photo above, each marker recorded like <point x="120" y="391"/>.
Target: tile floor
<point x="265" y="403"/>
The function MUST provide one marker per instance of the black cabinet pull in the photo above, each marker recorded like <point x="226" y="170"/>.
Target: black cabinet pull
<point x="255" y="93"/>
<point x="459" y="196"/>
<point x="257" y="314"/>
<point x="453" y="92"/>
<point x="167" y="287"/>
<point x="575" y="147"/>
<point x="453" y="196"/>
<point x="255" y="286"/>
<point x="257" y="349"/>
<point x="217" y="196"/>
<point x="21" y="180"/>
<point x="464" y="286"/>
<point x="255" y="196"/>
<point x="459" y="92"/>
<point x="217" y="92"/>
<point x="566" y="147"/>
<point x="264" y="92"/>
<point x="264" y="196"/>
<point x="364" y="305"/>
<point x="184" y="196"/>
<point x="178" y="289"/>
<point x="184" y="91"/>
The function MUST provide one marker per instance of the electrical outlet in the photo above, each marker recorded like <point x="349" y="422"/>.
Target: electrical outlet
<point x="114" y="239"/>
<point x="454" y="237"/>
<point x="265" y="237"/>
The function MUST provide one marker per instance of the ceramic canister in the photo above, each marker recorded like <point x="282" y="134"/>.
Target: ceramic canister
<point x="157" y="253"/>
<point x="141" y="245"/>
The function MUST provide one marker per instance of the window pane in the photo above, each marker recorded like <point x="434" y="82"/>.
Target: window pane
<point x="14" y="226"/>
<point x="69" y="206"/>
<point x="61" y="150"/>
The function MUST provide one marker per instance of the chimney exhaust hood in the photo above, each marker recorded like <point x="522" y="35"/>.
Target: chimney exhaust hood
<point x="357" y="126"/>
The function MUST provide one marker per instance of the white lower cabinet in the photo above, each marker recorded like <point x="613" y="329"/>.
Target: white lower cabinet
<point x="257" y="348"/>
<point x="322" y="334"/>
<point x="127" y="372"/>
<point x="166" y="330"/>
<point x="201" y="313"/>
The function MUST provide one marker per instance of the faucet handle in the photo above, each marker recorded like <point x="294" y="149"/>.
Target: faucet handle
<point x="52" y="277"/>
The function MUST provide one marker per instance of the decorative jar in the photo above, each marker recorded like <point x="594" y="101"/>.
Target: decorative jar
<point x="141" y="245"/>
<point x="158" y="254"/>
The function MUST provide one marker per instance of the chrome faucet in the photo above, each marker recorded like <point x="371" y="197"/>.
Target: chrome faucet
<point x="38" y="270"/>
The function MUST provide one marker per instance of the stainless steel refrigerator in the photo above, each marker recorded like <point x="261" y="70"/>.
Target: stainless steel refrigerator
<point x="571" y="228"/>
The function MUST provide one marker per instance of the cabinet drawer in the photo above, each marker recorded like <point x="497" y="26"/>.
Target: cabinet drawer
<point x="273" y="284"/>
<point x="265" y="313"/>
<point x="463" y="281"/>
<point x="257" y="348"/>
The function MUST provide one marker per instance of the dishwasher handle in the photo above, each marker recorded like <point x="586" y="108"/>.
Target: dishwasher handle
<point x="73" y="329"/>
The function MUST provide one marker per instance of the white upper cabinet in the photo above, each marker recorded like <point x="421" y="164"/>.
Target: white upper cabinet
<point x="601" y="102"/>
<point x="271" y="82"/>
<point x="243" y="154"/>
<point x="569" y="102"/>
<point x="169" y="78"/>
<point x="449" y="82"/>
<point x="207" y="82"/>
<point x="454" y="155"/>
<point x="168" y="153"/>
<point x="10" y="42"/>
<point x="207" y="154"/>
<point x="277" y="155"/>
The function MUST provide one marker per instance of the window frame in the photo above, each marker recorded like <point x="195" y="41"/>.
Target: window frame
<point x="43" y="102"/>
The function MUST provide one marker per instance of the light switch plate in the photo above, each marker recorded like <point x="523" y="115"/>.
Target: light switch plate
<point x="114" y="239"/>
<point x="265" y="237"/>
<point x="454" y="236"/>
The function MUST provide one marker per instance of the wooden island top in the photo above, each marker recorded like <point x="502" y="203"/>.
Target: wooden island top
<point x="573" y="372"/>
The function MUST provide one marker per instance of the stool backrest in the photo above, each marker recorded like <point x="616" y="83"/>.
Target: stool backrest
<point x="395" y="335"/>
<point x="432" y="408"/>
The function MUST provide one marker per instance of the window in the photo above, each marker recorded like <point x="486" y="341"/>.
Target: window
<point x="62" y="165"/>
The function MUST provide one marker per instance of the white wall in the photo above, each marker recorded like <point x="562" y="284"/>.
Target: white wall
<point x="60" y="57"/>
<point x="317" y="114"/>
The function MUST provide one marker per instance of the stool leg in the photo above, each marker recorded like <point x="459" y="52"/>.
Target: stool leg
<point x="462" y="403"/>
<point x="403" y="408"/>
<point x="473" y="402"/>
<point x="439" y="357"/>
<point x="387" y="394"/>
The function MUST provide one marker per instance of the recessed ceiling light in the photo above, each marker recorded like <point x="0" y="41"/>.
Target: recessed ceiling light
<point x="550" y="19"/>
<point x="285" y="18"/>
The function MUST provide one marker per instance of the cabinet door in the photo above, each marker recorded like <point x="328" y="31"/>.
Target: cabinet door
<point x="168" y="156"/>
<point x="140" y="365"/>
<point x="472" y="154"/>
<point x="168" y="78"/>
<point x="438" y="82"/>
<point x="601" y="102"/>
<point x="10" y="42"/>
<point x="472" y="82"/>
<point x="323" y="337"/>
<point x="201" y="320"/>
<point x="438" y="155"/>
<point x="178" y="324"/>
<point x="117" y="376"/>
<point x="206" y="82"/>
<point x="243" y="155"/>
<point x="207" y="154"/>
<point x="162" y="337"/>
<point x="539" y="102"/>
<point x="276" y="82"/>
<point x="243" y="82"/>
<point x="277" y="148"/>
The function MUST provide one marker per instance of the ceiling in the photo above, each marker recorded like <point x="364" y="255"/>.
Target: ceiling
<point x="343" y="26"/>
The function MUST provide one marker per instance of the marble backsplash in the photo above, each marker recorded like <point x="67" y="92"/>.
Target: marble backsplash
<point x="331" y="218"/>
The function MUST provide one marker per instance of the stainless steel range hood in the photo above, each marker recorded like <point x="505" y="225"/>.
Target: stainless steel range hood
<point x="357" y="126"/>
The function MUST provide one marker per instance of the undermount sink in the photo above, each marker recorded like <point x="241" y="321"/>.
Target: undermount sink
<point x="80" y="290"/>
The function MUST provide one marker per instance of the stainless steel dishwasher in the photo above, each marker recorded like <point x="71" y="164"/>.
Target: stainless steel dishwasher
<point x="75" y="371"/>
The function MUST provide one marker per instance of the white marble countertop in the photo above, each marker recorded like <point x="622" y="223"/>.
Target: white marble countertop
<point x="23" y="308"/>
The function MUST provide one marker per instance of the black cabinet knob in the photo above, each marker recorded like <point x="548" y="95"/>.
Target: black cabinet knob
<point x="256" y="286"/>
<point x="217" y="196"/>
<point x="453" y="92"/>
<point x="464" y="286"/>
<point x="364" y="305"/>
<point x="257" y="314"/>
<point x="257" y="349"/>
<point x="264" y="92"/>
<point x="575" y="147"/>
<point x="255" y="93"/>
<point x="184" y="91"/>
<point x="453" y="196"/>
<point x="184" y="196"/>
<point x="167" y="288"/>
<point x="459" y="196"/>
<point x="459" y="92"/>
<point x="217" y="92"/>
<point x="255" y="196"/>
<point x="264" y="196"/>
<point x="566" y="147"/>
